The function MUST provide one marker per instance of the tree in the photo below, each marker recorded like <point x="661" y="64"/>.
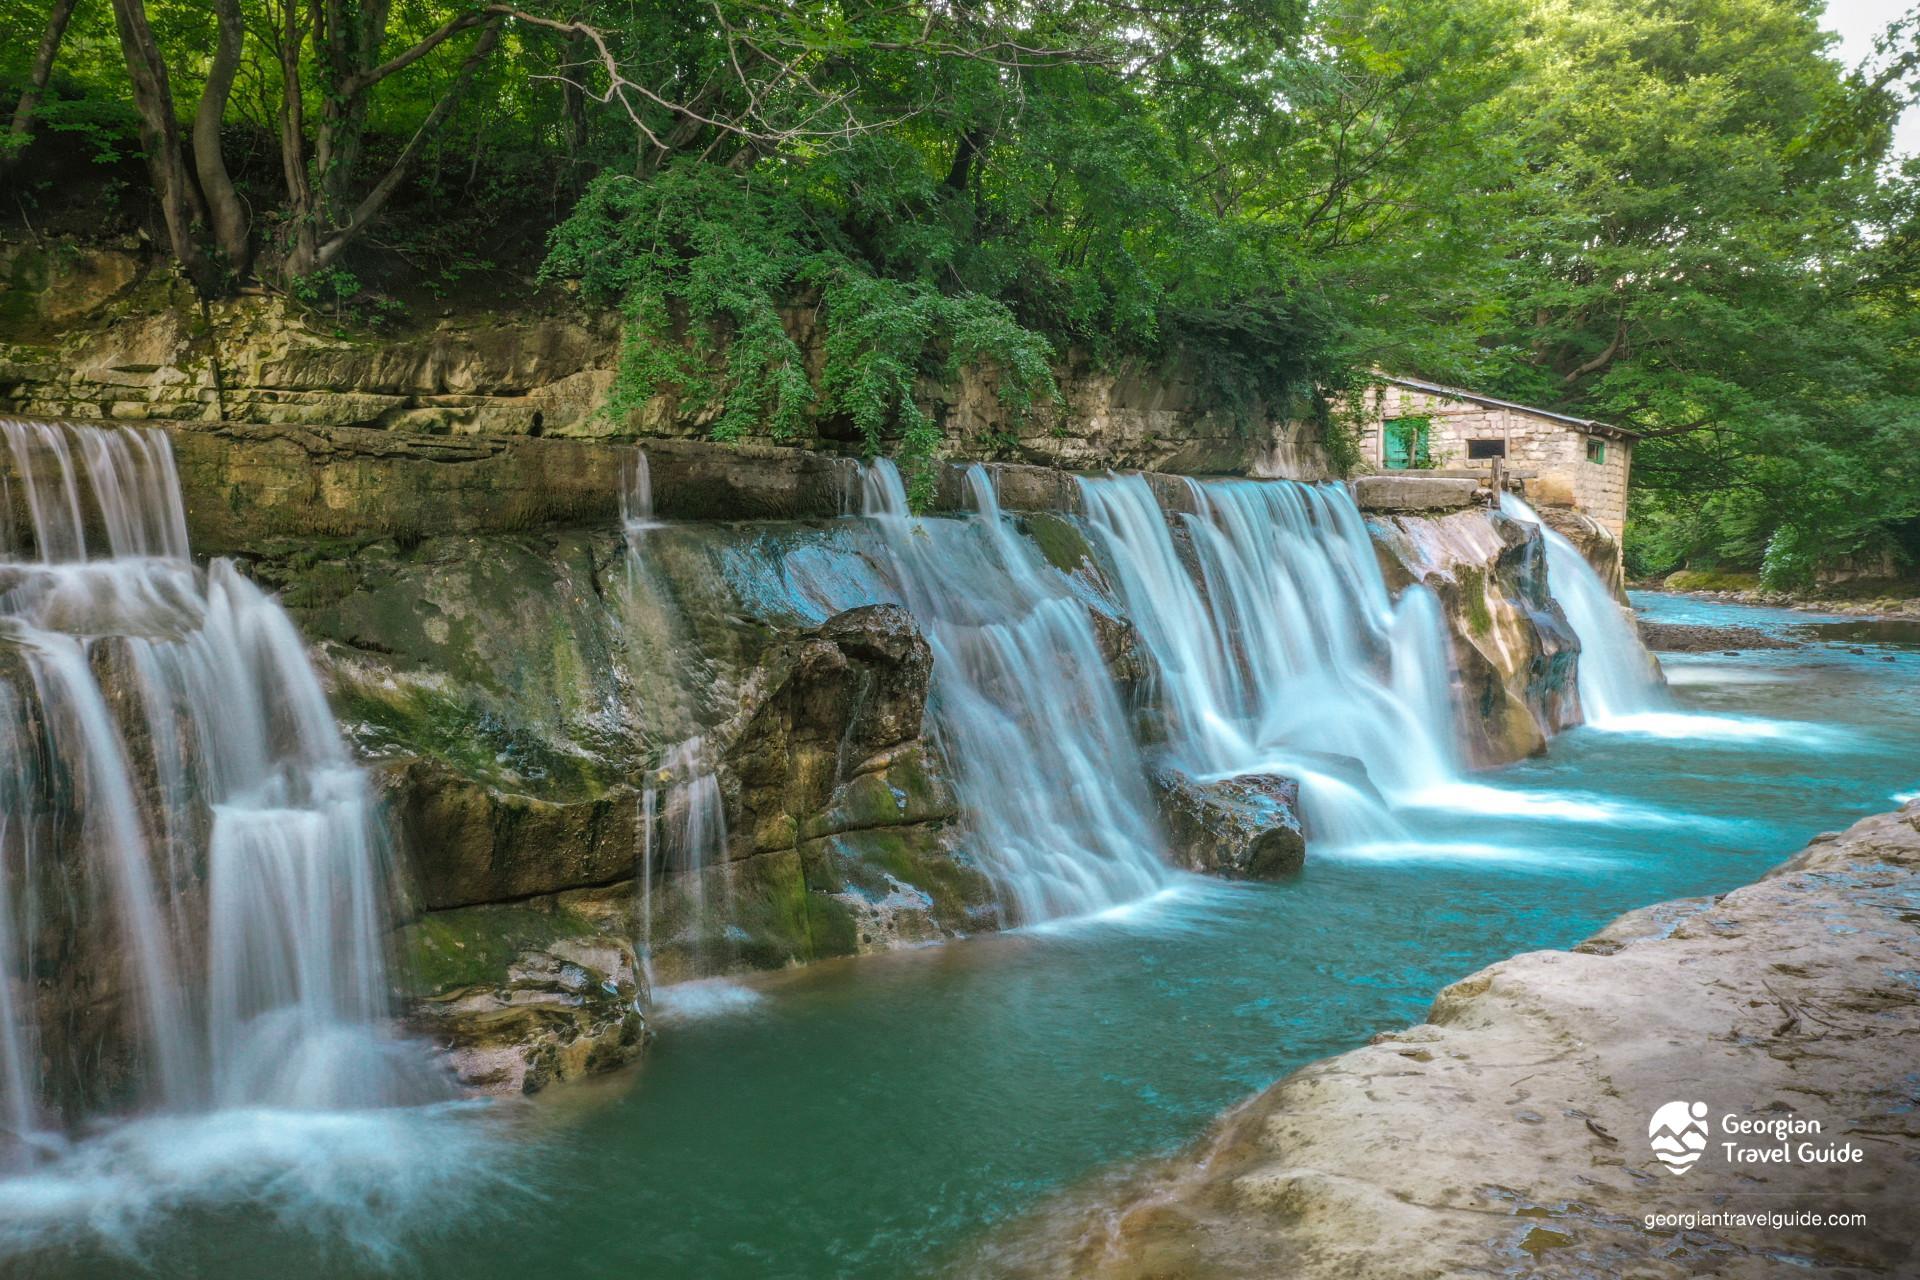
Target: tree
<point x="29" y="101"/>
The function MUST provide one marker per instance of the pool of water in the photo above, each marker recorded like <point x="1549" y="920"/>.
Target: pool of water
<point x="875" y="1117"/>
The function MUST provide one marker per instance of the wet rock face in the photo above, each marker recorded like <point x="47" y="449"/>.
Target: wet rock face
<point x="518" y="694"/>
<point x="518" y="998"/>
<point x="1244" y="828"/>
<point x="1514" y="655"/>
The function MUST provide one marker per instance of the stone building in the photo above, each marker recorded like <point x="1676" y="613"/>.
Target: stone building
<point x="1559" y="460"/>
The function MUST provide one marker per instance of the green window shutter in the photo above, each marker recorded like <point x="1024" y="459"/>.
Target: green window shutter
<point x="1405" y="442"/>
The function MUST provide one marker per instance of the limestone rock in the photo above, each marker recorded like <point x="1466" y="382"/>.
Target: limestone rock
<point x="516" y="999"/>
<point x="1514" y="654"/>
<point x="1244" y="828"/>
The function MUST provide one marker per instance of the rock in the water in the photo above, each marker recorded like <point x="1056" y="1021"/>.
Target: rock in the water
<point x="1244" y="828"/>
<point x="1686" y="637"/>
<point x="517" y="999"/>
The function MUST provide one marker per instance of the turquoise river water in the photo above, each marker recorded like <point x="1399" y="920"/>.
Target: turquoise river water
<point x="875" y="1117"/>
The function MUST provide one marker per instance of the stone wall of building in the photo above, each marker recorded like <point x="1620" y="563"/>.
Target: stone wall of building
<point x="1547" y="455"/>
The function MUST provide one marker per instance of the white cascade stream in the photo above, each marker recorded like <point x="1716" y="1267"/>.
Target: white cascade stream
<point x="1279" y="648"/>
<point x="1618" y="678"/>
<point x="1024" y="711"/>
<point x="162" y="723"/>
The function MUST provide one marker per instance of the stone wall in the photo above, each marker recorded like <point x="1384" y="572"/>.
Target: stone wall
<point x="1548" y="455"/>
<point x="91" y="331"/>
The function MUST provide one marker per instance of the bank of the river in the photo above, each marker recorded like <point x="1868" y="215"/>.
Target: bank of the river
<point x="877" y="1117"/>
<point x="1890" y="600"/>
<point x="1510" y="1130"/>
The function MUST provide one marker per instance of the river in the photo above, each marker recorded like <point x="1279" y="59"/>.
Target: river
<point x="875" y="1117"/>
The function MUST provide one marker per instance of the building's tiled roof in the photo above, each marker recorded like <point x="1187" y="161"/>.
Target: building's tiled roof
<point x="1588" y="425"/>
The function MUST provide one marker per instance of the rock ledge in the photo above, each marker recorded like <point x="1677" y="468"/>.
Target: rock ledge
<point x="1507" y="1135"/>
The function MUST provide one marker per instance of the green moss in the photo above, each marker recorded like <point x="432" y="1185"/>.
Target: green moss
<point x="1473" y="599"/>
<point x="1712" y="580"/>
<point x="472" y="946"/>
<point x="831" y="928"/>
<point x="1060" y="541"/>
<point x="1540" y="1240"/>
<point x="916" y="855"/>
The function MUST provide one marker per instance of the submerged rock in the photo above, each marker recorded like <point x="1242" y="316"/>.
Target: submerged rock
<point x="1243" y="828"/>
<point x="1508" y="1134"/>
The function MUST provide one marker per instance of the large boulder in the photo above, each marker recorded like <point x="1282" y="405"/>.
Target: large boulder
<point x="1514" y="654"/>
<point x="1242" y="828"/>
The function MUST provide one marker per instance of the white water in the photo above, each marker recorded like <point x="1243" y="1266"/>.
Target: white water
<point x="1024" y="711"/>
<point x="684" y="831"/>
<point x="1285" y="653"/>
<point x="636" y="492"/>
<point x="1619" y="682"/>
<point x="165" y="728"/>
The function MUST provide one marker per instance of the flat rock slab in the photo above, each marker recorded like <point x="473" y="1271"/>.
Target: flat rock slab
<point x="1508" y="1135"/>
<point x="1415" y="493"/>
<point x="1686" y="637"/>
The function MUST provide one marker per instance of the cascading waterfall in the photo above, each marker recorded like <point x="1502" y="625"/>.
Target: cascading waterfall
<point x="636" y="492"/>
<point x="1617" y="676"/>
<point x="176" y="794"/>
<point x="1282" y="650"/>
<point x="1024" y="710"/>
<point x="684" y="830"/>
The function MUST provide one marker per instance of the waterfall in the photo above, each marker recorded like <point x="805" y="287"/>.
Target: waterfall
<point x="1024" y="710"/>
<point x="169" y="753"/>
<point x="636" y="492"/>
<point x="684" y="831"/>
<point x="1618" y="678"/>
<point x="1279" y="648"/>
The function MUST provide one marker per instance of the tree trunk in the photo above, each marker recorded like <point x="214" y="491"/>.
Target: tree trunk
<point x="573" y="101"/>
<point x="374" y="201"/>
<point x="224" y="210"/>
<point x="160" y="138"/>
<point x="293" y="145"/>
<point x="36" y="84"/>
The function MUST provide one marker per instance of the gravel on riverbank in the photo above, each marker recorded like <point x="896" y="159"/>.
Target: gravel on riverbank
<point x="1688" y="637"/>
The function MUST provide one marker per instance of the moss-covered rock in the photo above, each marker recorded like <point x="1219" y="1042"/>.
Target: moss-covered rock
<point x="518" y="997"/>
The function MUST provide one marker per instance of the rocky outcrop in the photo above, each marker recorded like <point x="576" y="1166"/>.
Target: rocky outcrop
<point x="107" y="331"/>
<point x="517" y="998"/>
<point x="1514" y="655"/>
<point x="1242" y="828"/>
<point x="1509" y="1133"/>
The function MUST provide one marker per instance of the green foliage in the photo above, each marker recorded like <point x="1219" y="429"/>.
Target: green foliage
<point x="716" y="271"/>
<point x="1678" y="216"/>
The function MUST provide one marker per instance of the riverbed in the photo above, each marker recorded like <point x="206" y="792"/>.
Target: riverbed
<point x="876" y="1117"/>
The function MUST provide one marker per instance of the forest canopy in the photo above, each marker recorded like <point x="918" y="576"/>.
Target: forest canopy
<point x="1681" y="216"/>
